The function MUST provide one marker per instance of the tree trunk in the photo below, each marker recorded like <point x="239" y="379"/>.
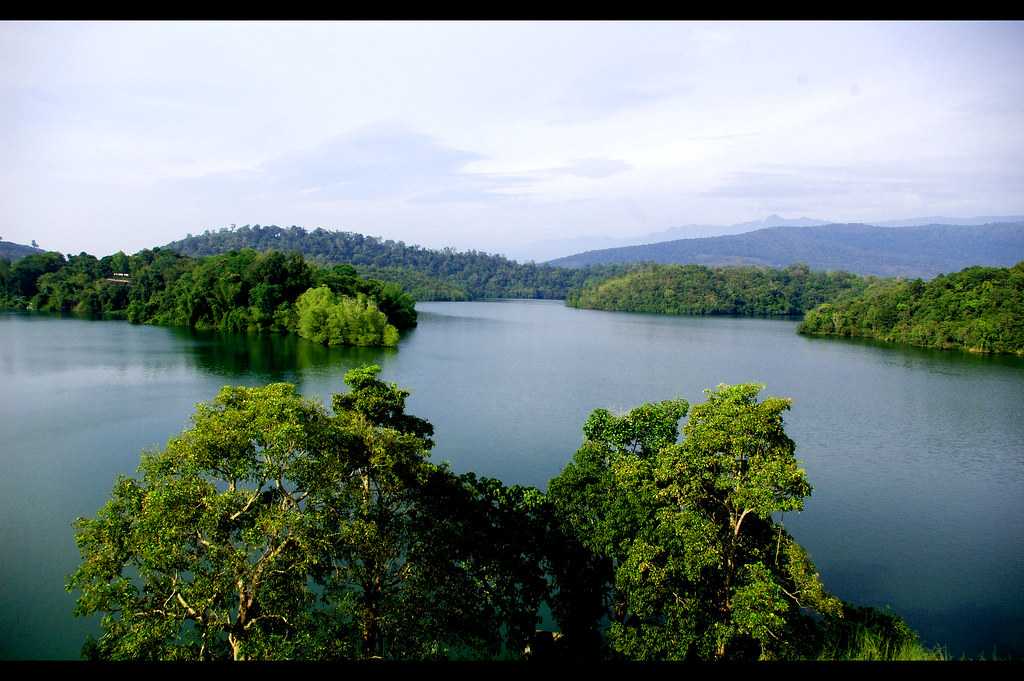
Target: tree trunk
<point x="371" y="622"/>
<point x="236" y="648"/>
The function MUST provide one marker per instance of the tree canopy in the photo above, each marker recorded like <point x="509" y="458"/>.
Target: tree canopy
<point x="980" y="309"/>
<point x="240" y="291"/>
<point x="428" y="274"/>
<point x="697" y="566"/>
<point x="273" y="529"/>
<point x="276" y="528"/>
<point x="695" y="289"/>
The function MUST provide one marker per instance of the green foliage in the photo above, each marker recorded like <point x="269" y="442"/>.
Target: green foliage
<point x="695" y="289"/>
<point x="427" y="274"/>
<point x="419" y="285"/>
<point x="870" y="634"/>
<point x="207" y="556"/>
<point x="980" y="309"/>
<point x="274" y="530"/>
<point x="20" y="284"/>
<point x="333" y="320"/>
<point x="5" y="276"/>
<point x="241" y="291"/>
<point x="697" y="566"/>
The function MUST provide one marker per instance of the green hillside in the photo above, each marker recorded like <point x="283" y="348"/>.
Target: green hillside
<point x="980" y="309"/>
<point x="427" y="274"/>
<point x="11" y="251"/>
<point x="695" y="289"/>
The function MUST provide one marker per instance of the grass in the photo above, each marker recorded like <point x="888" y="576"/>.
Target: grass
<point x="866" y="645"/>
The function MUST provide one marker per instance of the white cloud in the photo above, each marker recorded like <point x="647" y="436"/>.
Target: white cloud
<point x="488" y="135"/>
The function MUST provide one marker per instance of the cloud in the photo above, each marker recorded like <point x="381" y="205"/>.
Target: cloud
<point x="716" y="138"/>
<point x="822" y="182"/>
<point x="372" y="164"/>
<point x="872" y="189"/>
<point x="388" y="163"/>
<point x="594" y="167"/>
<point x="155" y="129"/>
<point x="459" y="196"/>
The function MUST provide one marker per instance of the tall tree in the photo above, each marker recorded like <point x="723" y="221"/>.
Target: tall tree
<point x="700" y="568"/>
<point x="207" y="556"/>
<point x="273" y="529"/>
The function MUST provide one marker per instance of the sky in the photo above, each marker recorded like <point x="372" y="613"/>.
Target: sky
<point x="498" y="135"/>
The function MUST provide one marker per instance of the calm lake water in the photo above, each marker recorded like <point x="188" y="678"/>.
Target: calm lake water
<point x="916" y="456"/>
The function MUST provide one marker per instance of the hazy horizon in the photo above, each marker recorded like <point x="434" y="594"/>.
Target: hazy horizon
<point x="498" y="135"/>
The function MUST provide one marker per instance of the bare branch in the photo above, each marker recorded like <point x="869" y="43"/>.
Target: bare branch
<point x="248" y="504"/>
<point x="188" y="608"/>
<point x="264" y="617"/>
<point x="743" y="515"/>
<point x="793" y="596"/>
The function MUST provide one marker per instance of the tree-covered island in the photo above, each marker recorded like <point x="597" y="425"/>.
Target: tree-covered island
<point x="979" y="309"/>
<point x="701" y="290"/>
<point x="241" y="291"/>
<point x="275" y="528"/>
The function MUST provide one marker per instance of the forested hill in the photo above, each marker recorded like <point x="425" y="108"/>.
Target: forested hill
<point x="696" y="289"/>
<point x="426" y="274"/>
<point x="11" y="251"/>
<point x="863" y="249"/>
<point x="980" y="309"/>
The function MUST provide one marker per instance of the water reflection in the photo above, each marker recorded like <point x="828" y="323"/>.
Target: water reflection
<point x="951" y="362"/>
<point x="269" y="357"/>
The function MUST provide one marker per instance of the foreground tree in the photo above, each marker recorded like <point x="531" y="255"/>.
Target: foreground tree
<point x="436" y="565"/>
<point x="207" y="555"/>
<point x="698" y="568"/>
<point x="274" y="530"/>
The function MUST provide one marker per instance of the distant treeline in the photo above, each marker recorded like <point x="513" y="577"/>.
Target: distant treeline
<point x="980" y="309"/>
<point x="417" y="284"/>
<point x="427" y="274"/>
<point x="238" y="291"/>
<point x="695" y="289"/>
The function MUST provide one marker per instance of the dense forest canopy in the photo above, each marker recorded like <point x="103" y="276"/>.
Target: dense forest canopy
<point x="427" y="274"/>
<point x="923" y="251"/>
<point x="695" y="289"/>
<point x="276" y="529"/>
<point x="980" y="309"/>
<point x="977" y="309"/>
<point x="237" y="291"/>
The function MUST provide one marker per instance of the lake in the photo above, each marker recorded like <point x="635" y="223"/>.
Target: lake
<point x="916" y="456"/>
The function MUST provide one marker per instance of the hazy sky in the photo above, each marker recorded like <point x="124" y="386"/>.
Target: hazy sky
<point x="127" y="135"/>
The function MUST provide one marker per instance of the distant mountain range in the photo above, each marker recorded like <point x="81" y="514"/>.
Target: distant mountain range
<point x="541" y="251"/>
<point x="893" y="248"/>
<point x="908" y="251"/>
<point x="939" y="220"/>
<point x="547" y="250"/>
